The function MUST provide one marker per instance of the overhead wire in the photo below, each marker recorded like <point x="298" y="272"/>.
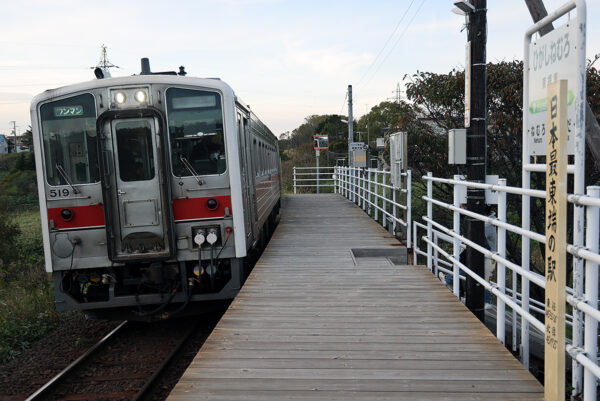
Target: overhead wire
<point x="397" y="41"/>
<point x="344" y="104"/>
<point x="386" y="42"/>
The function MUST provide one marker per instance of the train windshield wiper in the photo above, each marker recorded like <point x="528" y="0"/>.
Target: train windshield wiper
<point x="65" y="177"/>
<point x="190" y="168"/>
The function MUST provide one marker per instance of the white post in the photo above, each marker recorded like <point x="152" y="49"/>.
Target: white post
<point x="435" y="255"/>
<point x="456" y="241"/>
<point x="363" y="187"/>
<point x="343" y="175"/>
<point x="408" y="209"/>
<point x="369" y="191"/>
<point x="501" y="269"/>
<point x="335" y="180"/>
<point x="376" y="199"/>
<point x="525" y="257"/>
<point x="318" y="170"/>
<point x="354" y="186"/>
<point x="514" y="312"/>
<point x="384" y="217"/>
<point x="430" y="216"/>
<point x="294" y="179"/>
<point x="591" y="296"/>
<point x="394" y="210"/>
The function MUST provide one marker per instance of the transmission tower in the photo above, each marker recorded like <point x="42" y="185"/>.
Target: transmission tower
<point x="396" y="93"/>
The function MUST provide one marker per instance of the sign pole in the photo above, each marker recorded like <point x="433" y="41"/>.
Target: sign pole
<point x="556" y="239"/>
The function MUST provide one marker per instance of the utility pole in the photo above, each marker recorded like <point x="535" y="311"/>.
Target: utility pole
<point x="350" y="126"/>
<point x="14" y="132"/>
<point x="476" y="154"/>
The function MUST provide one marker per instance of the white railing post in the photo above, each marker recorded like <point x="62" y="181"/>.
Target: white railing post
<point x="354" y="191"/>
<point x="430" y="217"/>
<point x="294" y="179"/>
<point x="347" y="179"/>
<point x="376" y="198"/>
<point x="394" y="208"/>
<point x="343" y="175"/>
<point x="370" y="207"/>
<point x="456" y="241"/>
<point x="501" y="270"/>
<point x="335" y="180"/>
<point x="362" y="189"/>
<point x="591" y="296"/>
<point x="409" y="209"/>
<point x="435" y="254"/>
<point x="384" y="216"/>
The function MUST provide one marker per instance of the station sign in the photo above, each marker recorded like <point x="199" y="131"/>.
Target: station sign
<point x="321" y="142"/>
<point x="551" y="58"/>
<point x="358" y="146"/>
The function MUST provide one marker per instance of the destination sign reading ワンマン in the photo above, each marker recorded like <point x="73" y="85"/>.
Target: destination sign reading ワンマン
<point x="68" y="111"/>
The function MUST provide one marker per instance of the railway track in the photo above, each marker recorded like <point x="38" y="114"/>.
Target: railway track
<point x="124" y="364"/>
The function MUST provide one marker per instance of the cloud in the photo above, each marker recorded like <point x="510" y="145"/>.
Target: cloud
<point x="327" y="61"/>
<point x="15" y="97"/>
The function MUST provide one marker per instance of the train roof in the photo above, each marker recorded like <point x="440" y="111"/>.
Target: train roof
<point x="212" y="83"/>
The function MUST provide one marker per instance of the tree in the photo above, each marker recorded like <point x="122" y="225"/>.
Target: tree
<point x="440" y="97"/>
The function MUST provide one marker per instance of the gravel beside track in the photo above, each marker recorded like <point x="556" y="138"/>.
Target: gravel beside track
<point x="48" y="356"/>
<point x="116" y="372"/>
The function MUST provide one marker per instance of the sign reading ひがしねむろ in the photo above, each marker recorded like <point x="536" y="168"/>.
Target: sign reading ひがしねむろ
<point x="553" y="57"/>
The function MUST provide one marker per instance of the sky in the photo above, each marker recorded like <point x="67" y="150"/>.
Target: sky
<point x="288" y="59"/>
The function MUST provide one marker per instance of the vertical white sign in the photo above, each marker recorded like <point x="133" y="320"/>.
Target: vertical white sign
<point x="553" y="57"/>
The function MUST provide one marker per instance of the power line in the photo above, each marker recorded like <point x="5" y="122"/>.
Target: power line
<point x="386" y="42"/>
<point x="344" y="104"/>
<point x="396" y="43"/>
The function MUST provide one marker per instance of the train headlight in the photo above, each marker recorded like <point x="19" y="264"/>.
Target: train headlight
<point x="120" y="97"/>
<point x="141" y="96"/>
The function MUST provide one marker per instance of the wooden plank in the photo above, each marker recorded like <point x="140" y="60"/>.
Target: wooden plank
<point x="314" y="323"/>
<point x="418" y="385"/>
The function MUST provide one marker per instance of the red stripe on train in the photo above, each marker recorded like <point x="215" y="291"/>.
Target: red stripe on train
<point x="195" y="208"/>
<point x="82" y="216"/>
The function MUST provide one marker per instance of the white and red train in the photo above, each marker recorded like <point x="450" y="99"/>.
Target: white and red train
<point x="153" y="190"/>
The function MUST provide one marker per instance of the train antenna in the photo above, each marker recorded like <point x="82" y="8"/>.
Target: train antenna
<point x="101" y="70"/>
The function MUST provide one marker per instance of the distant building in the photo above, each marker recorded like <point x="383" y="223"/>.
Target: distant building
<point x="3" y="144"/>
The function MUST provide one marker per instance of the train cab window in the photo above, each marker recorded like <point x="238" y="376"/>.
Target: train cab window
<point x="136" y="156"/>
<point x="195" y="121"/>
<point x="69" y="138"/>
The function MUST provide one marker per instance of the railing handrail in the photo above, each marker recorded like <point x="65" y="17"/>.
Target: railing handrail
<point x="585" y="352"/>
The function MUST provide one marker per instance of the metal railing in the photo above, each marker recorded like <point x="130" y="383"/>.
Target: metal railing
<point x="313" y="179"/>
<point x="373" y="191"/>
<point x="583" y="348"/>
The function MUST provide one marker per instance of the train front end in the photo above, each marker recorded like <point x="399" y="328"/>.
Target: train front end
<point x="140" y="194"/>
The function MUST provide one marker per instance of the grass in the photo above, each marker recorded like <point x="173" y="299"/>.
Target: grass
<point x="26" y="293"/>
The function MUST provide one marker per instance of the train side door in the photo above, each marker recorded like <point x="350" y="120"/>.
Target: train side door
<point x="138" y="226"/>
<point x="244" y="163"/>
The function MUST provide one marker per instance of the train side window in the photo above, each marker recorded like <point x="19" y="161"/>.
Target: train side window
<point x="69" y="138"/>
<point x="196" y="134"/>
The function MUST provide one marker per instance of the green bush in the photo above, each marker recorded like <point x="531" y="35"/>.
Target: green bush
<point x="26" y="293"/>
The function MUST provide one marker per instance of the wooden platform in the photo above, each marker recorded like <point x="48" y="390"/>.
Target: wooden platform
<point x="314" y="323"/>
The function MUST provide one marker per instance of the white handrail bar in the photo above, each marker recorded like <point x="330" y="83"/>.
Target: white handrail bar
<point x="493" y="289"/>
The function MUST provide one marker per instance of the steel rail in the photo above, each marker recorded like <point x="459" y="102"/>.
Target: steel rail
<point x="142" y="392"/>
<point x="41" y="393"/>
